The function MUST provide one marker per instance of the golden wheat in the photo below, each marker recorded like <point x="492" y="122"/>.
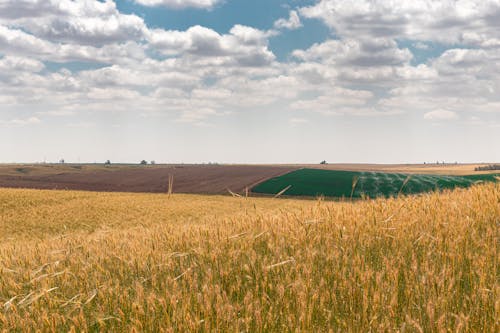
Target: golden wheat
<point x="77" y="261"/>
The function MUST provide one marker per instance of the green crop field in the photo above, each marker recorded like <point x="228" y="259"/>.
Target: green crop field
<point x="330" y="183"/>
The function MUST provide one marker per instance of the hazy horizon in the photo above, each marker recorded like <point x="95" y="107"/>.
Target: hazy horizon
<point x="250" y="82"/>
<point x="154" y="162"/>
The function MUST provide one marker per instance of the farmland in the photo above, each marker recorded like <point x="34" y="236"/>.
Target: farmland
<point x="187" y="178"/>
<point x="201" y="179"/>
<point x="91" y="261"/>
<point x="333" y="183"/>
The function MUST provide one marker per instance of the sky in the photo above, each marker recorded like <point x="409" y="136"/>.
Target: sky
<point x="240" y="81"/>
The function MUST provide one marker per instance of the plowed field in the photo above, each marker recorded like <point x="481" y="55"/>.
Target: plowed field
<point x="203" y="179"/>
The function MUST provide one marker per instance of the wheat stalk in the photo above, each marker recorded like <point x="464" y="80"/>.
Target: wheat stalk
<point x="280" y="263"/>
<point x="170" y="185"/>
<point x="282" y="191"/>
<point x="407" y="179"/>
<point x="236" y="195"/>
<point x="355" y="180"/>
<point x="213" y="263"/>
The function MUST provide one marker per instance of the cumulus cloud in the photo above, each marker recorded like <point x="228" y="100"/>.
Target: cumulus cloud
<point x="27" y="8"/>
<point x="243" y="45"/>
<point x="19" y="64"/>
<point x="356" y="52"/>
<point x="18" y="42"/>
<point x="427" y="20"/>
<point x="349" y="61"/>
<point x="81" y="22"/>
<point x="292" y="23"/>
<point x="199" y="73"/>
<point x="421" y="46"/>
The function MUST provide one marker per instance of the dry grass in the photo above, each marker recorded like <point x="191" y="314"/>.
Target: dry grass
<point x="76" y="261"/>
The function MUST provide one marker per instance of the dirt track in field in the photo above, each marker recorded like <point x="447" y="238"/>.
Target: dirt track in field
<point x="203" y="179"/>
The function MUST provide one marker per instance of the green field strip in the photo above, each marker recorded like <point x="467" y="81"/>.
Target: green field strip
<point x="333" y="183"/>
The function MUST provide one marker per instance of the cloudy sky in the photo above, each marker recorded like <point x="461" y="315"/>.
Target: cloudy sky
<point x="240" y="81"/>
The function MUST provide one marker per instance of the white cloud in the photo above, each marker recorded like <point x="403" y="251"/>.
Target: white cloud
<point x="426" y="20"/>
<point x="243" y="46"/>
<point x="18" y="42"/>
<point x="195" y="74"/>
<point x="421" y="46"/>
<point x="10" y="9"/>
<point x="211" y="93"/>
<point x="356" y="52"/>
<point x="19" y="64"/>
<point x="251" y="36"/>
<point x="468" y="61"/>
<point x="440" y="115"/>
<point x="292" y="23"/>
<point x="82" y="22"/>
<point x="179" y="4"/>
<point x="90" y="30"/>
<point x="112" y="94"/>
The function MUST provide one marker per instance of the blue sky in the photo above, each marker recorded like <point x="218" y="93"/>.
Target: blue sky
<point x="237" y="81"/>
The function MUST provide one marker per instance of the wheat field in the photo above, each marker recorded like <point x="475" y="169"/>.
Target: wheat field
<point x="81" y="261"/>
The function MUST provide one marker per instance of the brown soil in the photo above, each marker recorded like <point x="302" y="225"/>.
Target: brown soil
<point x="204" y="179"/>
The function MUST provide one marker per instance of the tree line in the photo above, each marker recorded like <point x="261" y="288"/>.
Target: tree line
<point x="488" y="167"/>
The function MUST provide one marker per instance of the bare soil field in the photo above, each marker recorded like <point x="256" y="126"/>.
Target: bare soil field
<point x="203" y="179"/>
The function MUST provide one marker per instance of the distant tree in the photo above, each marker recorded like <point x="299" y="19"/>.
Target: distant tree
<point x="323" y="162"/>
<point x="108" y="162"/>
<point x="152" y="162"/>
<point x="144" y="162"/>
<point x="61" y="161"/>
<point x="488" y="167"/>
